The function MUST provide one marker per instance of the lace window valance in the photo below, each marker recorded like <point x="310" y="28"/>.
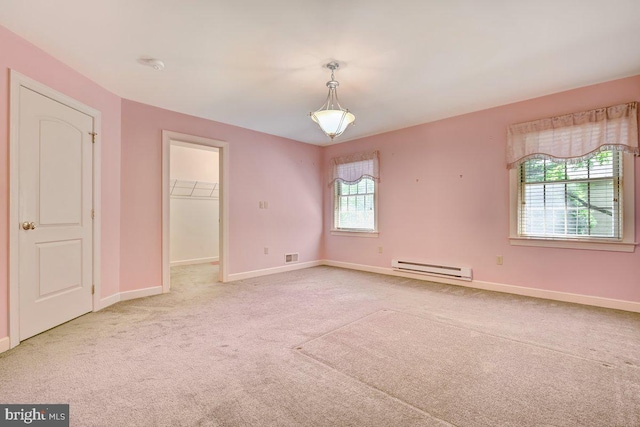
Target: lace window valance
<point x="574" y="136"/>
<point x="351" y="169"/>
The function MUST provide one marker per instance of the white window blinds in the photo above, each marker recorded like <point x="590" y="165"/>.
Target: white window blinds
<point x="354" y="180"/>
<point x="355" y="205"/>
<point x="572" y="200"/>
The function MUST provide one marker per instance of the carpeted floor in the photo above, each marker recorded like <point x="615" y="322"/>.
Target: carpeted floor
<point x="333" y="347"/>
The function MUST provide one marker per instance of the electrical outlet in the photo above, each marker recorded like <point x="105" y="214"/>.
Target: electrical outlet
<point x="266" y="251"/>
<point x="379" y="249"/>
<point x="499" y="260"/>
<point x="266" y="205"/>
<point x="261" y="205"/>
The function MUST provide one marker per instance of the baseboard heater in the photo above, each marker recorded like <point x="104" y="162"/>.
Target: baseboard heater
<point x="450" y="271"/>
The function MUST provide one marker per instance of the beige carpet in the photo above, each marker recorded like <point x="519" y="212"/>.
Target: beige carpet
<point x="472" y="378"/>
<point x="215" y="354"/>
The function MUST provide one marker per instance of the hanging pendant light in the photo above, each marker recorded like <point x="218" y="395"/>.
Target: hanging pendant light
<point x="331" y="117"/>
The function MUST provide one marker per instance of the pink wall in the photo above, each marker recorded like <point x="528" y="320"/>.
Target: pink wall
<point x="282" y="172"/>
<point x="444" y="197"/>
<point x="443" y="194"/>
<point x="18" y="54"/>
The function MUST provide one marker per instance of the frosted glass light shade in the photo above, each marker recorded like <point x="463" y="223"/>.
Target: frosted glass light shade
<point x="333" y="122"/>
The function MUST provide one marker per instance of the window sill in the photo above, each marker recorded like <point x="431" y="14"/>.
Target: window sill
<point x="594" y="245"/>
<point x="354" y="233"/>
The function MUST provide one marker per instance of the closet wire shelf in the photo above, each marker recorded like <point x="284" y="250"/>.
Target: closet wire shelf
<point x="180" y="189"/>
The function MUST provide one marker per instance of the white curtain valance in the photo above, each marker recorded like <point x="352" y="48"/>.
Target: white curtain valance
<point x="574" y="136"/>
<point x="353" y="168"/>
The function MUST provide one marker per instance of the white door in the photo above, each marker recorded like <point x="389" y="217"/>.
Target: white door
<point x="55" y="237"/>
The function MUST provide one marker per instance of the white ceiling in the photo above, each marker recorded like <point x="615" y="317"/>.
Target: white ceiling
<point x="258" y="64"/>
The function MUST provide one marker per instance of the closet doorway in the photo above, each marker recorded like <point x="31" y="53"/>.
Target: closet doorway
<point x="194" y="205"/>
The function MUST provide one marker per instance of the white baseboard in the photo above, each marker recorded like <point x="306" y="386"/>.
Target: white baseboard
<point x="140" y="293"/>
<point x="5" y="344"/>
<point x="107" y="301"/>
<point x="499" y="287"/>
<point x="274" y="270"/>
<point x="128" y="295"/>
<point x="193" y="261"/>
<point x="558" y="296"/>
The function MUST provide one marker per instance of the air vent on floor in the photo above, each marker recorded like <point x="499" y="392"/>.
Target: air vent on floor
<point x="288" y="258"/>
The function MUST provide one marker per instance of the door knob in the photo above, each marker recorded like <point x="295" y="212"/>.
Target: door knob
<point x="28" y="225"/>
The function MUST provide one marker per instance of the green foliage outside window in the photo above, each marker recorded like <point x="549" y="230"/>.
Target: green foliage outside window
<point x="355" y="205"/>
<point x="561" y="198"/>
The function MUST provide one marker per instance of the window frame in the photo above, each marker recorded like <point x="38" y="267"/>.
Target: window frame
<point x="625" y="244"/>
<point x="335" y="231"/>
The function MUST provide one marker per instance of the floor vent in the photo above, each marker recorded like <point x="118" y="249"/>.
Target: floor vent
<point x="440" y="270"/>
<point x="289" y="258"/>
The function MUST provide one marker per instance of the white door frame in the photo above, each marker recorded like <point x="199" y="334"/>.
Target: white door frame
<point x="223" y="150"/>
<point x="19" y="80"/>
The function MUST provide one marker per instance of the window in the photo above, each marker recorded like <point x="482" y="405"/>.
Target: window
<point x="572" y="180"/>
<point x="355" y="205"/>
<point x="560" y="199"/>
<point x="354" y="181"/>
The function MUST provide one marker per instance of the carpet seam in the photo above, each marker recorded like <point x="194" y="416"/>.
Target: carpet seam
<point x="602" y="362"/>
<point x="370" y="386"/>
<point x="609" y="363"/>
<point x="295" y="347"/>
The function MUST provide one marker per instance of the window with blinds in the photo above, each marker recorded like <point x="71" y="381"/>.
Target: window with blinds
<point x="354" y="207"/>
<point x="576" y="200"/>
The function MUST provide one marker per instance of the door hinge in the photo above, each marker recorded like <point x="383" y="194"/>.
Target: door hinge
<point x="93" y="214"/>
<point x="93" y="289"/>
<point x="93" y="137"/>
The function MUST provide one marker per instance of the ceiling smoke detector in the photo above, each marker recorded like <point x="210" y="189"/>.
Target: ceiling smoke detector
<point x="154" y="63"/>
